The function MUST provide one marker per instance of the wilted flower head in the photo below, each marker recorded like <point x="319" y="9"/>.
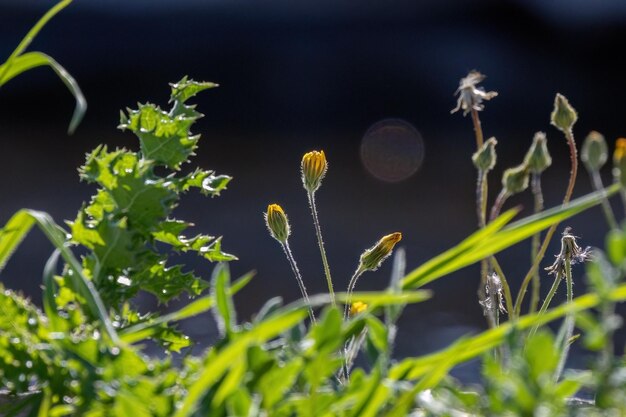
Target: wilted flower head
<point x="470" y="95"/>
<point x="493" y="297"/>
<point x="277" y="223"/>
<point x="314" y="168"/>
<point x="569" y="250"/>
<point x="374" y="256"/>
<point x="357" y="308"/>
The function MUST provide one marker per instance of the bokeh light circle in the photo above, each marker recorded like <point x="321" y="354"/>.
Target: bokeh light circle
<point x="392" y="150"/>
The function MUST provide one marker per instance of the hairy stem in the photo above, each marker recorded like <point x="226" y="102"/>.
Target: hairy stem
<point x="478" y="130"/>
<point x="546" y="241"/>
<point x="296" y="272"/>
<point x="569" y="321"/>
<point x="596" y="181"/>
<point x="536" y="241"/>
<point x="320" y="242"/>
<point x="499" y="203"/>
<point x="359" y="271"/>
<point x="548" y="300"/>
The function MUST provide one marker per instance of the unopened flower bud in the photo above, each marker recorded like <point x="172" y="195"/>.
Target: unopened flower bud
<point x="277" y="223"/>
<point x="485" y="158"/>
<point x="314" y="168"/>
<point x="619" y="161"/>
<point x="373" y="257"/>
<point x="563" y="116"/>
<point x="357" y="308"/>
<point x="515" y="180"/>
<point x="538" y="158"/>
<point x="594" y="152"/>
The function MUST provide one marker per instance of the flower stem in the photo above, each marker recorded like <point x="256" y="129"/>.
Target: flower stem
<point x="546" y="241"/>
<point x="536" y="241"/>
<point x="497" y="206"/>
<point x="478" y="130"/>
<point x="296" y="272"/>
<point x="569" y="320"/>
<point x="548" y="300"/>
<point x="320" y="242"/>
<point x="596" y="181"/>
<point x="359" y="271"/>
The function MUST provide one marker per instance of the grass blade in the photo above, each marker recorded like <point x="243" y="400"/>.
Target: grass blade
<point x="481" y="245"/>
<point x="14" y="233"/>
<point x="477" y="345"/>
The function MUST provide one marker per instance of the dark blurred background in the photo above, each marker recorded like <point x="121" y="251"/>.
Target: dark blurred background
<point x="297" y="76"/>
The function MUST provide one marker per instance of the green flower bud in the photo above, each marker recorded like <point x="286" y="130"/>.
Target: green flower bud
<point x="515" y="180"/>
<point x="485" y="158"/>
<point x="619" y="161"/>
<point x="594" y="152"/>
<point x="538" y="158"/>
<point x="277" y="223"/>
<point x="563" y="116"/>
<point x="373" y="257"/>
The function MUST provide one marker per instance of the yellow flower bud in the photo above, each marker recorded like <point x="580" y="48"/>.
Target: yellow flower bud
<point x="277" y="223"/>
<point x="374" y="256"/>
<point x="619" y="161"/>
<point x="314" y="168"/>
<point x="357" y="308"/>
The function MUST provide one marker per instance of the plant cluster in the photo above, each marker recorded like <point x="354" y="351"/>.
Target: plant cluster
<point x="84" y="353"/>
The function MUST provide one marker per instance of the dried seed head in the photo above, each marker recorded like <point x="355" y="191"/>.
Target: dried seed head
<point x="619" y="161"/>
<point x="594" y="152"/>
<point x="470" y="95"/>
<point x="569" y="250"/>
<point x="277" y="223"/>
<point x="515" y="180"/>
<point x="314" y="168"/>
<point x="373" y="257"/>
<point x="357" y="308"/>
<point x="538" y="158"/>
<point x="563" y="116"/>
<point x="485" y="158"/>
<point x="494" y="296"/>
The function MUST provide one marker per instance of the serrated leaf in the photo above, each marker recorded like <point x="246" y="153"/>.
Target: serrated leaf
<point x="186" y="88"/>
<point x="163" y="137"/>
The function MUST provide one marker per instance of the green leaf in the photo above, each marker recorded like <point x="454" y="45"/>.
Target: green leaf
<point x="14" y="232"/>
<point x="19" y="62"/>
<point x="186" y="88"/>
<point x="164" y="137"/>
<point x="143" y="330"/>
<point x="225" y="314"/>
<point x="223" y="359"/>
<point x="477" y="345"/>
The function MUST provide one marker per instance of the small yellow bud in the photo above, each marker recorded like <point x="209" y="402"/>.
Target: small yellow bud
<point x="277" y="223"/>
<point x="357" y="308"/>
<point x="374" y="256"/>
<point x="619" y="161"/>
<point x="314" y="168"/>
